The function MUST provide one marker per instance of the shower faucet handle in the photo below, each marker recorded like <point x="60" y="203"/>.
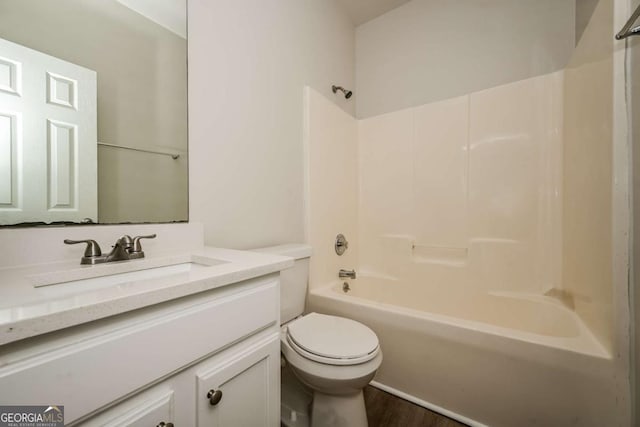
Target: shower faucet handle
<point x="341" y="244"/>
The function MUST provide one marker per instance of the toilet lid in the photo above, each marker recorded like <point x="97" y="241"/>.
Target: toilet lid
<point x="336" y="339"/>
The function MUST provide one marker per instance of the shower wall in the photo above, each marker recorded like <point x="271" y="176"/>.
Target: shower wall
<point x="518" y="188"/>
<point x="466" y="191"/>
<point x="507" y="188"/>
<point x="331" y="186"/>
<point x="588" y="172"/>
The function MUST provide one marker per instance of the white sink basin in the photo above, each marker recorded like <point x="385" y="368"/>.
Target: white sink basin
<point x="117" y="273"/>
<point x="95" y="283"/>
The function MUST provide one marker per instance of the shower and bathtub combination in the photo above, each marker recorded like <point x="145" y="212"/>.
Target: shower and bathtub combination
<point x="494" y="359"/>
<point x="488" y="231"/>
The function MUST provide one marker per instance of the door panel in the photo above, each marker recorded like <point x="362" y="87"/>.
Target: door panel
<point x="49" y="150"/>
<point x="9" y="173"/>
<point x="62" y="152"/>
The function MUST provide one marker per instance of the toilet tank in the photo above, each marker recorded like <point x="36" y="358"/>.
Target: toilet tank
<point x="293" y="281"/>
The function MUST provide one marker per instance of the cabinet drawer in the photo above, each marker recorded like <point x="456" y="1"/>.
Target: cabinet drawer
<point x="119" y="362"/>
<point x="148" y="409"/>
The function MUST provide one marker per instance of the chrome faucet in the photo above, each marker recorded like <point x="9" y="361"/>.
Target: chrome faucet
<point x="119" y="251"/>
<point x="125" y="249"/>
<point x="347" y="274"/>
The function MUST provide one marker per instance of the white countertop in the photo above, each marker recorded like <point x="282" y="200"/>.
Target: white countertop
<point x="27" y="310"/>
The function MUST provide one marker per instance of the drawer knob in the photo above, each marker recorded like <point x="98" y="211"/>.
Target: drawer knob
<point x="163" y="424"/>
<point x="214" y="397"/>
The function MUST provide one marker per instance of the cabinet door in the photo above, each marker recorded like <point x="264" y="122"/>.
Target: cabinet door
<point x="243" y="389"/>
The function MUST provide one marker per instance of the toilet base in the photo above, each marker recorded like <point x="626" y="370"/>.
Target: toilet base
<point x="338" y="411"/>
<point x="295" y="400"/>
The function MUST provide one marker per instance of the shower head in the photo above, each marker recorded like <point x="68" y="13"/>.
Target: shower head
<point x="347" y="93"/>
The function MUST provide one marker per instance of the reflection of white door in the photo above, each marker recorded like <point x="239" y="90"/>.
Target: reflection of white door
<point x="48" y="138"/>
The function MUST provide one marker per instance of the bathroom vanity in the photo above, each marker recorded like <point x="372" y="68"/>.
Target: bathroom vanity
<point x="191" y="342"/>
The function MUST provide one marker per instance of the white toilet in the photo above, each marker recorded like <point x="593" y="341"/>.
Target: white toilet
<point x="335" y="357"/>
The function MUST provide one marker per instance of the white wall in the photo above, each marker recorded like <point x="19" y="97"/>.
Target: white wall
<point x="429" y="50"/>
<point x="584" y="11"/>
<point x="248" y="63"/>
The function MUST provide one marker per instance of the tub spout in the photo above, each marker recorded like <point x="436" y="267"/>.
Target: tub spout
<point x="347" y="274"/>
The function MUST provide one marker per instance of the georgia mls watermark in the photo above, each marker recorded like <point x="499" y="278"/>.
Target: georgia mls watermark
<point x="31" y="416"/>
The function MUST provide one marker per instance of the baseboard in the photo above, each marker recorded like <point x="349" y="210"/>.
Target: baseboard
<point x="425" y="404"/>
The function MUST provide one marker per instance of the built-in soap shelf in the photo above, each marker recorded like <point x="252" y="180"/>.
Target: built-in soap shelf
<point x="420" y="253"/>
<point x="424" y="254"/>
<point x="86" y="272"/>
<point x="406" y="248"/>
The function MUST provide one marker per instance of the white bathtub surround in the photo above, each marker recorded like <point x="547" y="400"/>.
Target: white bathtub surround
<point x="331" y="183"/>
<point x="492" y="242"/>
<point x="465" y="190"/>
<point x="589" y="187"/>
<point x="27" y="310"/>
<point x="466" y="187"/>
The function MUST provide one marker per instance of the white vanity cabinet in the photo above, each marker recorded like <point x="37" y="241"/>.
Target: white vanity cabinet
<point x="211" y="359"/>
<point x="243" y="382"/>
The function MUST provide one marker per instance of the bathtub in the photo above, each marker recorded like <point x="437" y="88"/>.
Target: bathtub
<point x="483" y="358"/>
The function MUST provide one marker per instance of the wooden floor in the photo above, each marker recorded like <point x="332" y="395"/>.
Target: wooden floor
<point x="387" y="410"/>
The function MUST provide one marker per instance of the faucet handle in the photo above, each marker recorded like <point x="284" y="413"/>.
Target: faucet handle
<point x="92" y="249"/>
<point x="137" y="247"/>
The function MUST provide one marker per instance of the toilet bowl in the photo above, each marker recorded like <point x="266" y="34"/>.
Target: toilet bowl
<point x="333" y="356"/>
<point x="336" y="358"/>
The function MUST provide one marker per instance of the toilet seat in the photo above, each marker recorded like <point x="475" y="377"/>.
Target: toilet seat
<point x="332" y="340"/>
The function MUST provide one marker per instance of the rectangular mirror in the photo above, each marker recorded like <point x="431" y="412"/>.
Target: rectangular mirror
<point x="93" y="111"/>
